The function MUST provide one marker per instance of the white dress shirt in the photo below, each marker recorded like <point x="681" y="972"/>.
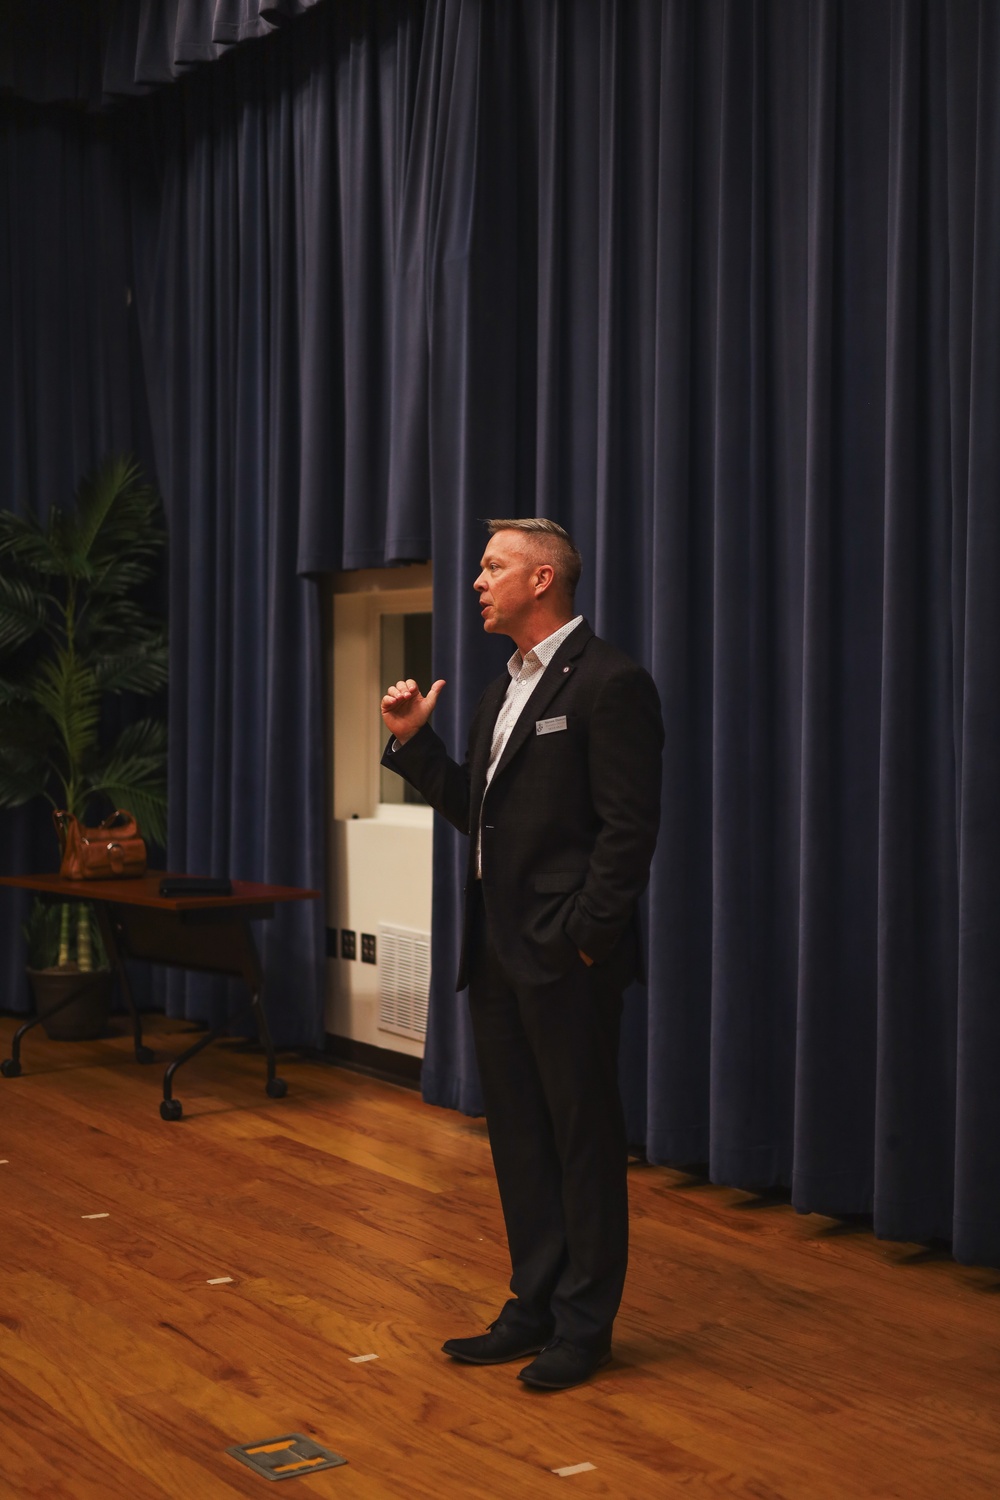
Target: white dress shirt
<point x="525" y="674"/>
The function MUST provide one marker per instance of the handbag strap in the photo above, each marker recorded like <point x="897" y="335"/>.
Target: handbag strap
<point x="120" y="822"/>
<point x="63" y="821"/>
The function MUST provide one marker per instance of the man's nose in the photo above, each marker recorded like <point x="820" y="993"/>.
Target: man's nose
<point x="480" y="584"/>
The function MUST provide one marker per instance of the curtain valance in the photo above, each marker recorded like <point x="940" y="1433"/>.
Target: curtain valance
<point x="93" y="52"/>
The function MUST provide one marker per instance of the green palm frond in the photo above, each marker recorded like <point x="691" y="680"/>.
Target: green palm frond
<point x="26" y="740"/>
<point x="121" y="619"/>
<point x="13" y="529"/>
<point x="117" y="615"/>
<point x="134" y="524"/>
<point x="97" y="495"/>
<point x="146" y="803"/>
<point x="119" y="525"/>
<point x="145" y="738"/>
<point x="11" y="692"/>
<point x="23" y="539"/>
<point x="112" y="579"/>
<point x="65" y="559"/>
<point x="22" y="612"/>
<point x="141" y="668"/>
<point x="22" y="778"/>
<point x="67" y="691"/>
<point x="45" y="551"/>
<point x="133" y="776"/>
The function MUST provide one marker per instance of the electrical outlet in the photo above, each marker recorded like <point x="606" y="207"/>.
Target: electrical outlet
<point x="348" y="943"/>
<point x="367" y="947"/>
<point x="331" y="942"/>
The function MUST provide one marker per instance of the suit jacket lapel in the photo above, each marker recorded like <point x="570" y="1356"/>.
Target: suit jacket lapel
<point x="558" y="672"/>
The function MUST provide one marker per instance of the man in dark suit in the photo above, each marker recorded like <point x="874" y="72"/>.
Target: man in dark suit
<point x="560" y="797"/>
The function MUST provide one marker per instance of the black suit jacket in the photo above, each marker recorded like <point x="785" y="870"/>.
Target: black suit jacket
<point x="570" y="818"/>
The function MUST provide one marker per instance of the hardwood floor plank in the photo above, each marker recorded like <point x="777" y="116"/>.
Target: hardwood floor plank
<point x="46" y="1453"/>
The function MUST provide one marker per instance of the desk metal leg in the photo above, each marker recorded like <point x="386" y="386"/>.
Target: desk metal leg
<point x="247" y="965"/>
<point x="11" y="1066"/>
<point x="142" y="1054"/>
<point x="171" y="1108"/>
<point x="276" y="1088"/>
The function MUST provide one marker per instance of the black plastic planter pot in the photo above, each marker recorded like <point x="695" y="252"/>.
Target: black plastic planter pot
<point x="74" y="1006"/>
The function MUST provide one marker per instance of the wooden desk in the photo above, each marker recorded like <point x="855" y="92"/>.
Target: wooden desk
<point x="209" y="934"/>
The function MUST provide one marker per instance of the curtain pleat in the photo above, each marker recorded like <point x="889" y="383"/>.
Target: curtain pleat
<point x="917" y="895"/>
<point x="977" y="1146"/>
<point x="457" y="386"/>
<point x="216" y="230"/>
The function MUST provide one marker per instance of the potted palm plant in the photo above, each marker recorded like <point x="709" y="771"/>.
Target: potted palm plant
<point x="74" y="635"/>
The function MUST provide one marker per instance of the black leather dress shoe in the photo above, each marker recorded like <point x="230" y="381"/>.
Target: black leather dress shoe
<point x="496" y="1347"/>
<point x="561" y="1365"/>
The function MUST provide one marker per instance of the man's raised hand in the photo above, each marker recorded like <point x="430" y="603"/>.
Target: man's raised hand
<point x="405" y="709"/>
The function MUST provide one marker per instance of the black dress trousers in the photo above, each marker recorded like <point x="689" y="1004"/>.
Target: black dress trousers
<point x="548" y="1065"/>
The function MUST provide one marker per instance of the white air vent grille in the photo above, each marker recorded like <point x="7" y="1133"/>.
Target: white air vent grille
<point x="404" y="977"/>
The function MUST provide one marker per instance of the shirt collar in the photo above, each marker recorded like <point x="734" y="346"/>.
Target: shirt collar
<point x="545" y="650"/>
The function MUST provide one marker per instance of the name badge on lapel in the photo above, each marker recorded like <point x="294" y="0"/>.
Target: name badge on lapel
<point x="550" y="726"/>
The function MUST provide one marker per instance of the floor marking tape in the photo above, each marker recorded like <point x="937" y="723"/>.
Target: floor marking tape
<point x="573" y="1469"/>
<point x="362" y="1359"/>
<point x="218" y="1281"/>
<point x="95" y="1216"/>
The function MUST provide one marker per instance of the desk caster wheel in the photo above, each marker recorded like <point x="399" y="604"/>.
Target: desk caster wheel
<point x="170" y="1109"/>
<point x="145" y="1055"/>
<point x="277" y="1088"/>
<point x="9" y="1068"/>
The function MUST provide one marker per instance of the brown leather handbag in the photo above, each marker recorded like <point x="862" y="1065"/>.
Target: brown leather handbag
<point x="114" y="851"/>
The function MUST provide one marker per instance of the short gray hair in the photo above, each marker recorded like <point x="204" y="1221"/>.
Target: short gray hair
<point x="570" y="563"/>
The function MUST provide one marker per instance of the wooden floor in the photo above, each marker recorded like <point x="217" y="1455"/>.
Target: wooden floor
<point x="758" y="1353"/>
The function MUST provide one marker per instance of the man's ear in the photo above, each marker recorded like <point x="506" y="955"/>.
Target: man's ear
<point x="544" y="574"/>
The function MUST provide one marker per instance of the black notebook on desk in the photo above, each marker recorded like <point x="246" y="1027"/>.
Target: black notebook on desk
<point x="195" y="885"/>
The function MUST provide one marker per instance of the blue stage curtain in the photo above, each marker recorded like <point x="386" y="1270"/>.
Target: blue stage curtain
<point x="219" y="234"/>
<point x="969" y="534"/>
<point x="714" y="284"/>
<point x="731" y="265"/>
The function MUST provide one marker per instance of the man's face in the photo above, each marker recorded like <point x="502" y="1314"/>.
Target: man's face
<point x="506" y="585"/>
